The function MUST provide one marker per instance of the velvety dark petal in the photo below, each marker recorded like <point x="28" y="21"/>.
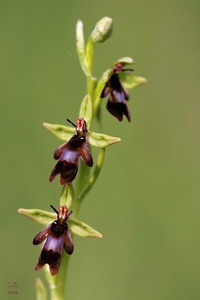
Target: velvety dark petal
<point x="85" y="154"/>
<point x="56" y="170"/>
<point x="57" y="230"/>
<point x="105" y="91"/>
<point x="117" y="97"/>
<point x="51" y="258"/>
<point x="127" y="112"/>
<point x="118" y="94"/>
<point x="54" y="244"/>
<point x="75" y="142"/>
<point x="68" y="172"/>
<point x="68" y="243"/>
<point x="41" y="236"/>
<point x="51" y="254"/>
<point x="54" y="267"/>
<point x="126" y="94"/>
<point x="58" y="152"/>
<point x="118" y="109"/>
<point x="115" y="83"/>
<point x="57" y="236"/>
<point x="70" y="155"/>
<point x="67" y="167"/>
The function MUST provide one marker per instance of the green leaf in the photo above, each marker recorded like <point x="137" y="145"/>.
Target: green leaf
<point x="102" y="140"/>
<point x="40" y="216"/>
<point x="93" y="178"/>
<point x="80" y="45"/>
<point x="130" y="81"/>
<point x="41" y="293"/>
<point x="62" y="132"/>
<point x="67" y="195"/>
<point x="86" y="110"/>
<point x="102" y="30"/>
<point x="83" y="230"/>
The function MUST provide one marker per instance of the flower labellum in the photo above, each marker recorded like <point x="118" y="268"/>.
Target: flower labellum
<point x="68" y="154"/>
<point x="116" y="104"/>
<point x="57" y="236"/>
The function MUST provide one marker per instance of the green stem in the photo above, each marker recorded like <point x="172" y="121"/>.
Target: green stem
<point x="91" y="84"/>
<point x="57" y="282"/>
<point x="60" y="280"/>
<point x="92" y="180"/>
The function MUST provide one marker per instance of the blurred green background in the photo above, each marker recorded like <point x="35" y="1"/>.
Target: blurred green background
<point x="146" y="201"/>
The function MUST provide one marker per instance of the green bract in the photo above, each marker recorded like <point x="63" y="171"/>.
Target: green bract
<point x="86" y="110"/>
<point x="41" y="293"/>
<point x="67" y="195"/>
<point x="80" y="45"/>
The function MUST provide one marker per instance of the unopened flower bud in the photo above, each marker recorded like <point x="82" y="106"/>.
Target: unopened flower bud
<point x="102" y="30"/>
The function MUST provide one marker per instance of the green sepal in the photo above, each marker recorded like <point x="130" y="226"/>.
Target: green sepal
<point x="40" y="216"/>
<point x="41" y="293"/>
<point x="86" y="110"/>
<point x="67" y="195"/>
<point x="126" y="60"/>
<point x="46" y="218"/>
<point x="101" y="140"/>
<point x="62" y="132"/>
<point x="130" y="81"/>
<point x="95" y="139"/>
<point x="83" y="230"/>
<point x="80" y="45"/>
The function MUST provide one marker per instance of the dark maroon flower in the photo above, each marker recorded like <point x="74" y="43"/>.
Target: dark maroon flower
<point x="57" y="236"/>
<point x="69" y="153"/>
<point x="116" y="104"/>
